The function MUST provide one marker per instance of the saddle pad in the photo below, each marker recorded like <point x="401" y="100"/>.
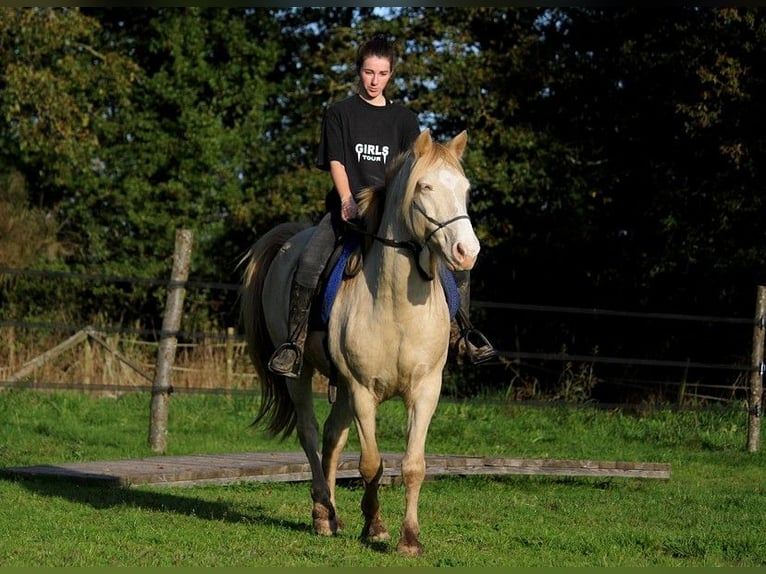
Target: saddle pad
<point x="336" y="277"/>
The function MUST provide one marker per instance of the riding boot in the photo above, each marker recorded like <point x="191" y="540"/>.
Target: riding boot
<point x="468" y="344"/>
<point x="288" y="357"/>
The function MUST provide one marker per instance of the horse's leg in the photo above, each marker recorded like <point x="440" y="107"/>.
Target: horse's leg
<point x="307" y="428"/>
<point x="334" y="437"/>
<point x="370" y="466"/>
<point x="420" y="410"/>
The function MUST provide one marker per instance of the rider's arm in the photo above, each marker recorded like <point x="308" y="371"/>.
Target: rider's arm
<point x="340" y="180"/>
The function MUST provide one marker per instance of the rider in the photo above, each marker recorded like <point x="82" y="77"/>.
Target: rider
<point x="360" y="136"/>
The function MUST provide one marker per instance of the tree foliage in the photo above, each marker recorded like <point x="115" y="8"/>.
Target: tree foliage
<point x="615" y="154"/>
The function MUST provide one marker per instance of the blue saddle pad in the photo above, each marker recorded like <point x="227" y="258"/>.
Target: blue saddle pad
<point x="450" y="290"/>
<point x="336" y="278"/>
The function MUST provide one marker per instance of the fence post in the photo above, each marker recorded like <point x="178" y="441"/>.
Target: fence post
<point x="229" y="356"/>
<point x="12" y="348"/>
<point x="161" y="389"/>
<point x="756" y="376"/>
<point x="87" y="362"/>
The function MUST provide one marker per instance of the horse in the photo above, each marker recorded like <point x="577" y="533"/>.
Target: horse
<point x="387" y="334"/>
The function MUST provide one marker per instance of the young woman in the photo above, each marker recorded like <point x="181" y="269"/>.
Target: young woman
<point x="360" y="136"/>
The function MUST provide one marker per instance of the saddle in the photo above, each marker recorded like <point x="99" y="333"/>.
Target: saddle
<point x="345" y="262"/>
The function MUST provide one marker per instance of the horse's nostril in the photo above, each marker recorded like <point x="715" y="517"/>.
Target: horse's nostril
<point x="461" y="252"/>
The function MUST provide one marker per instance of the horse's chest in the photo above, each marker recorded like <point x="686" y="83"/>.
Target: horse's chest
<point x="390" y="350"/>
<point x="389" y="335"/>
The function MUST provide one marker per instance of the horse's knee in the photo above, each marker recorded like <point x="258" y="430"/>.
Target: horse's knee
<point x="371" y="468"/>
<point x="413" y="470"/>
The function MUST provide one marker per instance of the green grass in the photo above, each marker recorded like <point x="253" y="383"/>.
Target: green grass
<point x="710" y="513"/>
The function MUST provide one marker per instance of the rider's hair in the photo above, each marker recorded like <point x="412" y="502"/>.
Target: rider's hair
<point x="378" y="46"/>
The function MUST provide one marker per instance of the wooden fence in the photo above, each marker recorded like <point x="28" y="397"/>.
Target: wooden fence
<point x="156" y="375"/>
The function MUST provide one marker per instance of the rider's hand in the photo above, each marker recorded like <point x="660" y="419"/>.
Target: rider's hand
<point x="349" y="209"/>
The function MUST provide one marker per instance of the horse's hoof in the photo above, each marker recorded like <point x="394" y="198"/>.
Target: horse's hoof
<point x="325" y="528"/>
<point x="380" y="537"/>
<point x="325" y="520"/>
<point x="411" y="550"/>
<point x="376" y="532"/>
<point x="409" y="545"/>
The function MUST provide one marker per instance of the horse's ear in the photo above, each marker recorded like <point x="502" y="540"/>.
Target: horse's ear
<point x="458" y="143"/>
<point x="423" y="143"/>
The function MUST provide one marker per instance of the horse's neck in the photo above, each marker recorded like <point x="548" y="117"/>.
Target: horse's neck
<point x="395" y="268"/>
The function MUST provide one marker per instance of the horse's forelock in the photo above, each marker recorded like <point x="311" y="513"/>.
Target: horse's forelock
<point x="437" y="153"/>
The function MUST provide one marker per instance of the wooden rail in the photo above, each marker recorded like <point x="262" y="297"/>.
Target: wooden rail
<point x="292" y="466"/>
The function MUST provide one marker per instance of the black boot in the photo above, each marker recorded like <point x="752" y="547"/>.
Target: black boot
<point x="469" y="344"/>
<point x="288" y="357"/>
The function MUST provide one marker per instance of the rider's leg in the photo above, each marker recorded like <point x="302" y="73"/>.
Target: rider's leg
<point x="288" y="357"/>
<point x="469" y="343"/>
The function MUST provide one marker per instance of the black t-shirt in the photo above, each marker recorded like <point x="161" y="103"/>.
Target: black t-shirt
<point x="365" y="138"/>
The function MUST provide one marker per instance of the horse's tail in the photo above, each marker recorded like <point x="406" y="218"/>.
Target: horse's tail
<point x="276" y="405"/>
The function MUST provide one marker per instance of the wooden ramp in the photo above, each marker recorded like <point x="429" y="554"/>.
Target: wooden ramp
<point x="292" y="466"/>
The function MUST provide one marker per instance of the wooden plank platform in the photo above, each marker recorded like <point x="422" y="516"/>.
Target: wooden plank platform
<point x="292" y="466"/>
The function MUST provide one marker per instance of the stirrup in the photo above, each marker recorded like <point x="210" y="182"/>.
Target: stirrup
<point x="481" y="352"/>
<point x="279" y="363"/>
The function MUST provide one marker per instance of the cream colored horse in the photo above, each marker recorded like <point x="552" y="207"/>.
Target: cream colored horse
<point x="388" y="330"/>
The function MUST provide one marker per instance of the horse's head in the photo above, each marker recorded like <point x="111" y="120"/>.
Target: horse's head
<point x="427" y="192"/>
<point x="436" y="198"/>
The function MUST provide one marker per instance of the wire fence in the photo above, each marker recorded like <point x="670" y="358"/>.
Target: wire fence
<point x="510" y="359"/>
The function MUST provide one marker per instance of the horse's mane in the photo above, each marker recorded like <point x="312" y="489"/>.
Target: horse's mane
<point x="372" y="200"/>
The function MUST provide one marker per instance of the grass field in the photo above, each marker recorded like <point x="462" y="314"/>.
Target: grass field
<point x="710" y="513"/>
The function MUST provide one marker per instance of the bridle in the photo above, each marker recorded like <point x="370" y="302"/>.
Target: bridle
<point x="412" y="245"/>
<point x="439" y="225"/>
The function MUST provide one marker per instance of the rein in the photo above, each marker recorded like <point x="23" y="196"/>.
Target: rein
<point x="412" y="245"/>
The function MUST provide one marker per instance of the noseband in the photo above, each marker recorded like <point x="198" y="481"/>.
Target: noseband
<point x="439" y="225"/>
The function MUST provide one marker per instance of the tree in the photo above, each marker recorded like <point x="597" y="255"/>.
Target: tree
<point x="58" y="90"/>
<point x="611" y="160"/>
<point x="614" y="153"/>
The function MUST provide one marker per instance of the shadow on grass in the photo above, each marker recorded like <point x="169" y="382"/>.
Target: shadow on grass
<point x="379" y="546"/>
<point x="102" y="496"/>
